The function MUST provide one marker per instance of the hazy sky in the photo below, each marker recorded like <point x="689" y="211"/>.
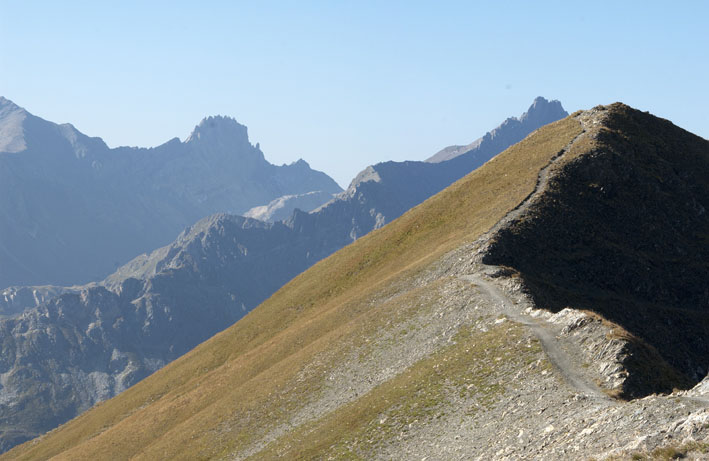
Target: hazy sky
<point x="347" y="84"/>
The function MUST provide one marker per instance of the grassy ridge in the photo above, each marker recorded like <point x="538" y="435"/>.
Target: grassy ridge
<point x="191" y="409"/>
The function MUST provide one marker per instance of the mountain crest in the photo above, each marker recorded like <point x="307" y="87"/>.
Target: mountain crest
<point x="542" y="110"/>
<point x="511" y="131"/>
<point x="74" y="209"/>
<point x="219" y="127"/>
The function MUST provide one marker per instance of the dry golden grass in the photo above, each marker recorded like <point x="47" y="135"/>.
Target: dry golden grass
<point x="469" y="367"/>
<point x="194" y="407"/>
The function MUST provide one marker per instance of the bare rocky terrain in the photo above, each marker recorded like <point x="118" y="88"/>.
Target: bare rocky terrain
<point x="282" y="208"/>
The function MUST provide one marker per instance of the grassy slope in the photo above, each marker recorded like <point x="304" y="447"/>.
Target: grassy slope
<point x="210" y="401"/>
<point x="470" y="367"/>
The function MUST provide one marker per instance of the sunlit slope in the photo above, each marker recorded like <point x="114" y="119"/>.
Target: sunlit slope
<point x="244" y="382"/>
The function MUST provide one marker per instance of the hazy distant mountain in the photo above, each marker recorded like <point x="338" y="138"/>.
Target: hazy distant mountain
<point x="512" y="131"/>
<point x="383" y="192"/>
<point x="61" y="357"/>
<point x="163" y="303"/>
<point x="73" y="209"/>
<point x="14" y="300"/>
<point x="282" y="207"/>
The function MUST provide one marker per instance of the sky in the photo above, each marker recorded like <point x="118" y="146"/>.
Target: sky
<point x="347" y="84"/>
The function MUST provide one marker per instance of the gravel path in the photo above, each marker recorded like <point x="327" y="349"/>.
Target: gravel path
<point x="544" y="331"/>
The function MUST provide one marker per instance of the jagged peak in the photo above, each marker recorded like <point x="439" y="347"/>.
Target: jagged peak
<point x="299" y="163"/>
<point x="368" y="174"/>
<point x="542" y="107"/>
<point x="541" y="112"/>
<point x="9" y="108"/>
<point x="218" y="126"/>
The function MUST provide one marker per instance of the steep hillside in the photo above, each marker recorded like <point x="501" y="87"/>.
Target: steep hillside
<point x="415" y="342"/>
<point x="181" y="294"/>
<point x="63" y="356"/>
<point x="383" y="192"/>
<point x="219" y="397"/>
<point x="74" y="210"/>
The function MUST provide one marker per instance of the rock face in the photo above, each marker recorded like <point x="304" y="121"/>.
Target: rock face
<point x="512" y="131"/>
<point x="14" y="300"/>
<point x="74" y="210"/>
<point x="162" y="304"/>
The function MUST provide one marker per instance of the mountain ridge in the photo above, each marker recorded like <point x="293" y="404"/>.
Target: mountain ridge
<point x="385" y="350"/>
<point x="224" y="265"/>
<point x="511" y="131"/>
<point x="76" y="209"/>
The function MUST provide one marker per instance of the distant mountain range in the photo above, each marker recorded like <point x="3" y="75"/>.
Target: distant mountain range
<point x="73" y="210"/>
<point x="158" y="306"/>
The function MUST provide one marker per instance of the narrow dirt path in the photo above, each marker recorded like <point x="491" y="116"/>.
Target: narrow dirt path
<point x="541" y="184"/>
<point x="571" y="373"/>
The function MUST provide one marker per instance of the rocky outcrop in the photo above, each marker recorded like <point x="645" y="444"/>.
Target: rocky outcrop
<point x="74" y="210"/>
<point x="511" y="131"/>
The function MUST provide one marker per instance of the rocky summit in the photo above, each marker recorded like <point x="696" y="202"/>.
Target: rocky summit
<point x="74" y="209"/>
<point x="478" y="325"/>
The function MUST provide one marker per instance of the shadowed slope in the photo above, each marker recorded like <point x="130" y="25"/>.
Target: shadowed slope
<point x="623" y="230"/>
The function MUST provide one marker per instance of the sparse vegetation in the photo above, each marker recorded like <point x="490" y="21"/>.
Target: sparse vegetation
<point x="468" y="369"/>
<point x="668" y="453"/>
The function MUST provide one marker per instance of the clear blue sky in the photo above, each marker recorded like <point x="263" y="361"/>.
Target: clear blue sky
<point x="347" y="84"/>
